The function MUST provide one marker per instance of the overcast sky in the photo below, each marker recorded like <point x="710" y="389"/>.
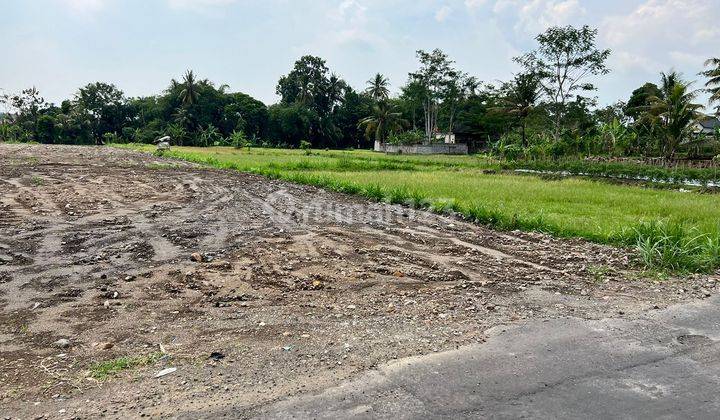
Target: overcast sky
<point x="59" y="45"/>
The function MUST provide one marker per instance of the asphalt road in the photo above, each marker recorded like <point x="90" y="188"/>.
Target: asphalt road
<point x="664" y="366"/>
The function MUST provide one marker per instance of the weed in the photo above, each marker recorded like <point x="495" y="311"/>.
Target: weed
<point x="673" y="246"/>
<point x="373" y="192"/>
<point x="103" y="370"/>
<point x="599" y="273"/>
<point x="37" y="181"/>
<point x="399" y="195"/>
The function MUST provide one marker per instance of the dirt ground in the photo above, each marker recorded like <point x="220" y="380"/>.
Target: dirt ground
<point x="292" y="289"/>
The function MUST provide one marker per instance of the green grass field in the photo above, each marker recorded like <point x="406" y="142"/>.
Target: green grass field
<point x="569" y="207"/>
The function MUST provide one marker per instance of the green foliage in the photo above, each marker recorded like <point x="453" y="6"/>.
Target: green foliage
<point x="674" y="112"/>
<point x="407" y="137"/>
<point x="238" y="140"/>
<point x="210" y="136"/>
<point x="712" y="85"/>
<point x="378" y="88"/>
<point x="535" y="115"/>
<point x="106" y="369"/>
<point x="110" y="138"/>
<point x="565" y="57"/>
<point x="385" y="121"/>
<point x="675" y="247"/>
<point x="306" y="146"/>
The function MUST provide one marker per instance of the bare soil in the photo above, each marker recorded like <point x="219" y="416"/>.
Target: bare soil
<point x="297" y="288"/>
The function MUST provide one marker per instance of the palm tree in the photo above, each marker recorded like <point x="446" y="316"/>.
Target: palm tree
<point x="668" y="82"/>
<point x="336" y="89"/>
<point x="378" y="87"/>
<point x="189" y="93"/>
<point x="674" y="112"/>
<point x="522" y="95"/>
<point x="385" y="120"/>
<point x="712" y="86"/>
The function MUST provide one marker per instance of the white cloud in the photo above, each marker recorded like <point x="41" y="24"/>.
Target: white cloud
<point x="533" y="16"/>
<point x="349" y="12"/>
<point x="443" y="13"/>
<point x="674" y="32"/>
<point x="350" y="25"/>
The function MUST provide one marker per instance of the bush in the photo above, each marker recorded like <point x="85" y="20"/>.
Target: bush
<point x="306" y="145"/>
<point x="407" y="137"/>
<point x="238" y="140"/>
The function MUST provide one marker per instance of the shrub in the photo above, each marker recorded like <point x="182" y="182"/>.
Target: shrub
<point x="306" y="145"/>
<point x="407" y="137"/>
<point x="238" y="139"/>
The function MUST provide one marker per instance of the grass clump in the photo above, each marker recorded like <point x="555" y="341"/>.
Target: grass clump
<point x="373" y="192"/>
<point x="37" y="181"/>
<point x="675" y="247"/>
<point x="103" y="370"/>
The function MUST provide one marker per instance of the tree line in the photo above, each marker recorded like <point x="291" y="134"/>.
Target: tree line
<point x="548" y="109"/>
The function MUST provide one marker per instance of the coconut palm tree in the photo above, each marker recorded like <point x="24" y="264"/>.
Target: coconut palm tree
<point x="378" y="87"/>
<point x="521" y="98"/>
<point x="336" y="89"/>
<point x="712" y="86"/>
<point x="385" y="120"/>
<point x="189" y="94"/>
<point x="674" y="113"/>
<point x="668" y="82"/>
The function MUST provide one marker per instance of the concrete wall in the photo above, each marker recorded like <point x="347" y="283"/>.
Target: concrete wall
<point x="423" y="149"/>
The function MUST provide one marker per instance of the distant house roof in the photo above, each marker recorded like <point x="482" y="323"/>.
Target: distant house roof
<point x="710" y="123"/>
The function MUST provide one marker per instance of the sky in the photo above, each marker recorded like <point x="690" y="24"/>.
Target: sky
<point x="139" y="45"/>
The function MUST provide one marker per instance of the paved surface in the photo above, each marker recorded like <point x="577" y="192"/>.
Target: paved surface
<point x="664" y="366"/>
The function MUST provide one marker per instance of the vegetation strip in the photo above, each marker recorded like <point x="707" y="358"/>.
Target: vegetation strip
<point x="670" y="238"/>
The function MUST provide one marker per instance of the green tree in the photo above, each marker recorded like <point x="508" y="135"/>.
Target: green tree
<point x="433" y="79"/>
<point x="46" y="129"/>
<point x="378" y="88"/>
<point x="456" y="90"/>
<point x="289" y="124"/>
<point x="385" y="120"/>
<point x="564" y="59"/>
<point x="354" y="107"/>
<point x="674" y="112"/>
<point x="520" y="98"/>
<point x="26" y="108"/>
<point x="412" y="98"/>
<point x="640" y="100"/>
<point x="189" y="93"/>
<point x="309" y="84"/>
<point x="712" y="86"/>
<point x="105" y="106"/>
<point x="177" y="133"/>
